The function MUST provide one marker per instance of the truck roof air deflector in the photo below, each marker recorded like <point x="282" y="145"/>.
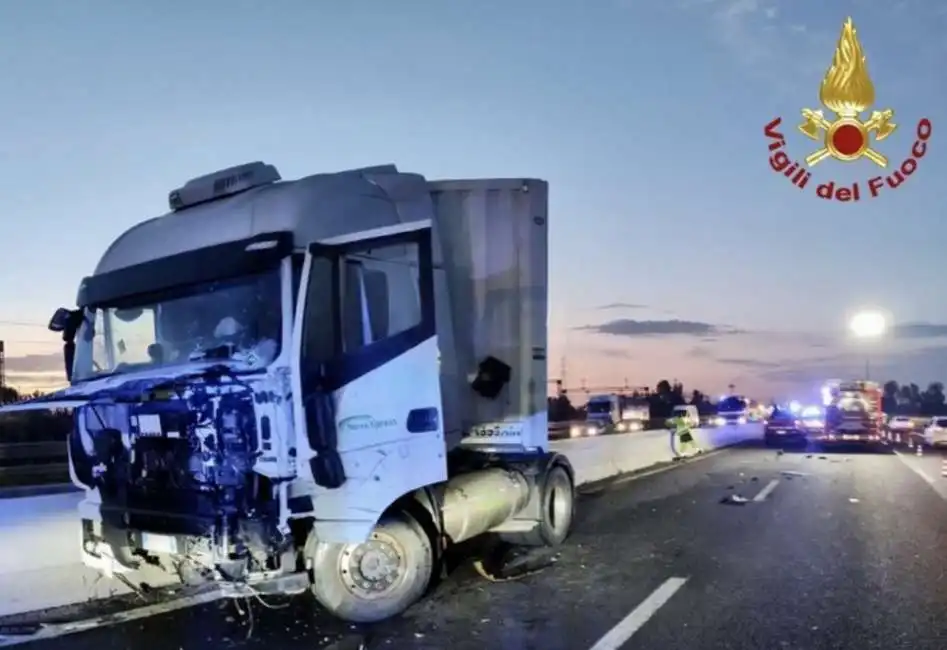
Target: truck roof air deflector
<point x="225" y="182"/>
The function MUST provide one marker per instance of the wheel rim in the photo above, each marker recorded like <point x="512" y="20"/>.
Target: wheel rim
<point x="373" y="569"/>
<point x="559" y="506"/>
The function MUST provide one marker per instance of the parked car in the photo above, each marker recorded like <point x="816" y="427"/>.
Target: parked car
<point x="935" y="434"/>
<point x="783" y="427"/>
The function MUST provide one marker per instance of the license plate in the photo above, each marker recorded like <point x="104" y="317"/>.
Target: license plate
<point x="159" y="543"/>
<point x="780" y="431"/>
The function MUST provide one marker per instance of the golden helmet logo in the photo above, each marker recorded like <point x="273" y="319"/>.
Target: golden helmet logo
<point x="847" y="91"/>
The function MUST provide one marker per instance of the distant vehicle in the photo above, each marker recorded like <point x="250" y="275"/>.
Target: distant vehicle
<point x="614" y="412"/>
<point x="935" y="435"/>
<point x="783" y="427"/>
<point x="901" y="424"/>
<point x="853" y="414"/>
<point x="813" y="419"/>
<point x="733" y="409"/>
<point x="688" y="412"/>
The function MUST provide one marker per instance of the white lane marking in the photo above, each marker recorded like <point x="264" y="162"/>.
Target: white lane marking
<point x="917" y="470"/>
<point x="63" y="629"/>
<point x="618" y="635"/>
<point x="766" y="491"/>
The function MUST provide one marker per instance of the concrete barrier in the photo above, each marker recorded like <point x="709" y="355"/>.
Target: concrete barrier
<point x="41" y="566"/>
<point x="598" y="458"/>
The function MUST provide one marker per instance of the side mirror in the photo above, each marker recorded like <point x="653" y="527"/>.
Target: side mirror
<point x="69" y="356"/>
<point x="67" y="321"/>
<point x="60" y="320"/>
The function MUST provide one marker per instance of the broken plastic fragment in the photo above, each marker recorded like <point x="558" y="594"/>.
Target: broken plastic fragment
<point x="511" y="563"/>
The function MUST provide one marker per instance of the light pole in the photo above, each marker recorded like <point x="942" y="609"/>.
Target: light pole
<point x="868" y="325"/>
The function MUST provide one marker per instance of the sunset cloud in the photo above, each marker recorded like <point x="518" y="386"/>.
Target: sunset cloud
<point x="919" y="330"/>
<point x="623" y="305"/>
<point x="673" y="327"/>
<point x="48" y="362"/>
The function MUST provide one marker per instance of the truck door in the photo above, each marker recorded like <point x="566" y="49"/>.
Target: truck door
<point x="367" y="384"/>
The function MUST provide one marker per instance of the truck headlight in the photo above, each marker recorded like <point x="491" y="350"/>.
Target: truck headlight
<point x="719" y="421"/>
<point x="741" y="421"/>
<point x="591" y="431"/>
<point x="575" y="432"/>
<point x="622" y="427"/>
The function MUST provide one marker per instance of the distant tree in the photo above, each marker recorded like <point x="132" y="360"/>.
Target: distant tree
<point x="904" y="394"/>
<point x="560" y="408"/>
<point x="932" y="399"/>
<point x="8" y="394"/>
<point x="660" y="401"/>
<point x="889" y="399"/>
<point x="915" y="394"/>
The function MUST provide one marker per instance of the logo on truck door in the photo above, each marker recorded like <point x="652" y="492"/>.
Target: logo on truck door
<point x="847" y="93"/>
<point x="365" y="423"/>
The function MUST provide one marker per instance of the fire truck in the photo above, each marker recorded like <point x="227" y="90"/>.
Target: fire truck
<point x="852" y="414"/>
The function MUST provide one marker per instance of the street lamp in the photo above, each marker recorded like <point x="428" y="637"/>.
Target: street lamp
<point x="868" y="325"/>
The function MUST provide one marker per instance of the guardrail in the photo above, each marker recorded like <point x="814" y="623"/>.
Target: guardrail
<point x="33" y="463"/>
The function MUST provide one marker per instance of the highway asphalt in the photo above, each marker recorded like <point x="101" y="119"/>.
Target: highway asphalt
<point x="830" y="551"/>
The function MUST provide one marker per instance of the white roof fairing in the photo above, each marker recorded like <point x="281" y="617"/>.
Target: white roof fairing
<point x="313" y="208"/>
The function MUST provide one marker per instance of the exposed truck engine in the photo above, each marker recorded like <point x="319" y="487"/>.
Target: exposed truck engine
<point x="316" y="383"/>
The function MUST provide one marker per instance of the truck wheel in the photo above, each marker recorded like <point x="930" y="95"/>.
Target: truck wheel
<point x="557" y="508"/>
<point x="377" y="579"/>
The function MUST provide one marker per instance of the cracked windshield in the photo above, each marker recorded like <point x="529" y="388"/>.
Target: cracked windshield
<point x="474" y="325"/>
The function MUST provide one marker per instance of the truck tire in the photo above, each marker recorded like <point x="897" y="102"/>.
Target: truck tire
<point x="557" y="509"/>
<point x="377" y="579"/>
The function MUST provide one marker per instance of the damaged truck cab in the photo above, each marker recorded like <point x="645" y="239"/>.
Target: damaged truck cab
<point x="315" y="383"/>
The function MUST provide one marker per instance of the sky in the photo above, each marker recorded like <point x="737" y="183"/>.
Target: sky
<point x="676" y="251"/>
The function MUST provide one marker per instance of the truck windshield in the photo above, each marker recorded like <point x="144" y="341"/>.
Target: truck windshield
<point x="732" y="405"/>
<point x="600" y="408"/>
<point x="236" y="320"/>
<point x="852" y="403"/>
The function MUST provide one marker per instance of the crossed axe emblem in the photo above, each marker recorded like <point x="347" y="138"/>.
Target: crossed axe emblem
<point x="816" y="125"/>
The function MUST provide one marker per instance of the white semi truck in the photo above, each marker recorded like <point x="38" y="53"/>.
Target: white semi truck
<point x="614" y="412"/>
<point x="316" y="383"/>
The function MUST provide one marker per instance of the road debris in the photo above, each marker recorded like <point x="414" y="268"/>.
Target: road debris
<point x="734" y="500"/>
<point x="351" y="642"/>
<point x="790" y="473"/>
<point x="505" y="563"/>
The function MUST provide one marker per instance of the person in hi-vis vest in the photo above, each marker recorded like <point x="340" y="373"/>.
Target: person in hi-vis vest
<point x="684" y="438"/>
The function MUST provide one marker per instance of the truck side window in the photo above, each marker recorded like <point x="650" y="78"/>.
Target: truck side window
<point x="382" y="297"/>
<point x="297" y="264"/>
<point x="377" y="297"/>
<point x="319" y="335"/>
